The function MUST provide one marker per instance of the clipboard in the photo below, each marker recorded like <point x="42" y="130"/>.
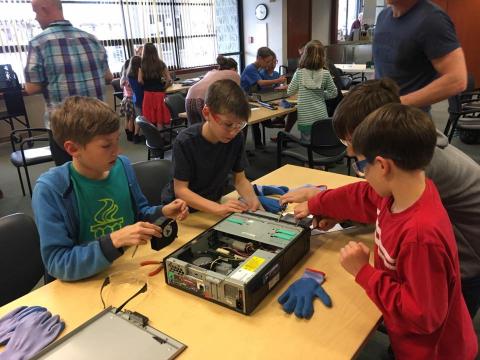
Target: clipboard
<point x="113" y="335"/>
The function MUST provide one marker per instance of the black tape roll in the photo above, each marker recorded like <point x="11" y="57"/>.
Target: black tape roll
<point x="169" y="233"/>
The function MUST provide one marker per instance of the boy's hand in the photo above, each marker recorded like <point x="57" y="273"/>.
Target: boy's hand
<point x="281" y="79"/>
<point x="299" y="195"/>
<point x="177" y="209"/>
<point x="354" y="256"/>
<point x="230" y="206"/>
<point x="324" y="224"/>
<point x="253" y="204"/>
<point x="136" y="234"/>
<point x="301" y="210"/>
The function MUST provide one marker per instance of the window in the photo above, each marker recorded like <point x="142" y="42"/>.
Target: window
<point x="187" y="33"/>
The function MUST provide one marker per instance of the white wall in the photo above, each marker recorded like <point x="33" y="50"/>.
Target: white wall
<point x="276" y="29"/>
<point x="321" y="21"/>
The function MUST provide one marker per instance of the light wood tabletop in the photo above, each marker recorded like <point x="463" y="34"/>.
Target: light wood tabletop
<point x="176" y="88"/>
<point x="259" y="114"/>
<point x="211" y="331"/>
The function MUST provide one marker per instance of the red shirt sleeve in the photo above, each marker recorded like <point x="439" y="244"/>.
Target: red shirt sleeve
<point x="416" y="298"/>
<point x="357" y="202"/>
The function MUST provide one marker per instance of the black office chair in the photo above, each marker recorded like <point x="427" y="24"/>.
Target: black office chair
<point x="117" y="93"/>
<point x="324" y="148"/>
<point x="153" y="176"/>
<point x="24" y="153"/>
<point x="176" y="105"/>
<point x="464" y="114"/>
<point x="15" y="108"/>
<point x="21" y="267"/>
<point x="158" y="141"/>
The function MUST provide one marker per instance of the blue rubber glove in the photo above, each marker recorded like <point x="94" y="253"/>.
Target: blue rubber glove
<point x="32" y="334"/>
<point x="285" y="104"/>
<point x="300" y="295"/>
<point x="9" y="322"/>
<point x="269" y="204"/>
<point x="262" y="190"/>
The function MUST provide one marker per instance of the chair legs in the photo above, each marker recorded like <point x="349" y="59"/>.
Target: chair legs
<point x="21" y="180"/>
<point x="28" y="180"/>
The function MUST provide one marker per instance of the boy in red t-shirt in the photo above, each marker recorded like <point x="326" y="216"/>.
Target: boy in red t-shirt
<point x="415" y="280"/>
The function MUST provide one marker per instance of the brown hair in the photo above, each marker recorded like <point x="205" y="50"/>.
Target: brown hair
<point x="152" y="67"/>
<point x="264" y="52"/>
<point x="313" y="57"/>
<point x="226" y="97"/>
<point x="226" y="63"/>
<point x="135" y="63"/>
<point x="81" y="118"/>
<point x="398" y="132"/>
<point x="361" y="101"/>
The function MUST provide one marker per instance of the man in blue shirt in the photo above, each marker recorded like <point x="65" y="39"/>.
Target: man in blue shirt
<point x="415" y="44"/>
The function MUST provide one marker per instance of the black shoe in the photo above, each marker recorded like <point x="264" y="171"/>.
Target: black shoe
<point x="259" y="146"/>
<point x="137" y="139"/>
<point x="129" y="135"/>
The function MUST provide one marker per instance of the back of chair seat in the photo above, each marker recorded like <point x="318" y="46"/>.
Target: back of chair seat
<point x="152" y="176"/>
<point x="176" y="105"/>
<point x="155" y="139"/>
<point x="21" y="267"/>
<point x="323" y="137"/>
<point x="117" y="89"/>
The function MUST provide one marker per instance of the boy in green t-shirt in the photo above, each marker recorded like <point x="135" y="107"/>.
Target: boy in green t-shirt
<point x="88" y="209"/>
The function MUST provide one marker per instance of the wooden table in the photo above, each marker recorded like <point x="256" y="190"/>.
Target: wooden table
<point x="259" y="114"/>
<point x="356" y="69"/>
<point x="212" y="331"/>
<point x="176" y="88"/>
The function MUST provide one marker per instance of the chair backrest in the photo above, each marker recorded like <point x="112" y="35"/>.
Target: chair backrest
<point x="176" y="104"/>
<point x="118" y="91"/>
<point x="152" y="176"/>
<point x="155" y="138"/>
<point x="14" y="102"/>
<point x="323" y="137"/>
<point x="21" y="267"/>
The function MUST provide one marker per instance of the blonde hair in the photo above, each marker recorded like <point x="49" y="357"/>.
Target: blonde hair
<point x="81" y="118"/>
<point x="313" y="57"/>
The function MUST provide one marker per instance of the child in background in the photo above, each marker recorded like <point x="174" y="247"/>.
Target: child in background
<point x="127" y="108"/>
<point x="269" y="73"/>
<point x="227" y="69"/>
<point x="155" y="78"/>
<point x="251" y="81"/>
<point x="314" y="85"/>
<point x="415" y="280"/>
<point x="137" y="88"/>
<point x="206" y="153"/>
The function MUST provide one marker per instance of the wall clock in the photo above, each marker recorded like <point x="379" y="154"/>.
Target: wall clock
<point x="261" y="11"/>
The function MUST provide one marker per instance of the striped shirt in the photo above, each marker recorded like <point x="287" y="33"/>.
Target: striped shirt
<point x="313" y="88"/>
<point x="66" y="61"/>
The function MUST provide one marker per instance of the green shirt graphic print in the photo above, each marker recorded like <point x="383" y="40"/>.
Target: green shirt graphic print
<point x="104" y="206"/>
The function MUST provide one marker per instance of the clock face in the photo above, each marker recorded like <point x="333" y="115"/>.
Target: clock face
<point x="261" y="11"/>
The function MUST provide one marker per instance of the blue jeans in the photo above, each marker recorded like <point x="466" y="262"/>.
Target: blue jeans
<point x="471" y="294"/>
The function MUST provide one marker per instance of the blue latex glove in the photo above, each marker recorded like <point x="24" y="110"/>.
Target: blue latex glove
<point x="269" y="204"/>
<point x="300" y="295"/>
<point x="262" y="190"/>
<point x="32" y="334"/>
<point x="285" y="104"/>
<point x="9" y="322"/>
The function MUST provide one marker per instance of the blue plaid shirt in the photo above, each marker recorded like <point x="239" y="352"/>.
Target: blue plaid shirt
<point x="66" y="61"/>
